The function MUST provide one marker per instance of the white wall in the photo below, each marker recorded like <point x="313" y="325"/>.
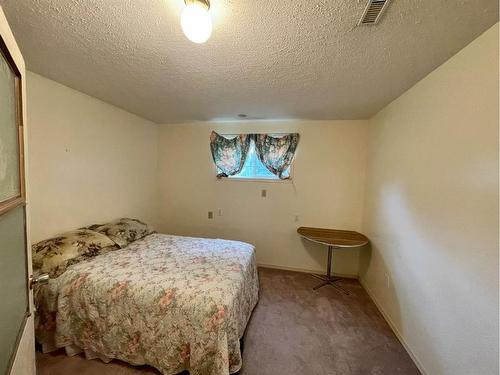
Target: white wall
<point x="432" y="213"/>
<point x="88" y="161"/>
<point x="327" y="191"/>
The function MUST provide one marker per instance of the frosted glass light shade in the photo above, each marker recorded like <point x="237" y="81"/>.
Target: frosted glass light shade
<point x="196" y="22"/>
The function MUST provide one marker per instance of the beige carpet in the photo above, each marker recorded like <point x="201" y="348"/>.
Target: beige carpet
<point x="293" y="330"/>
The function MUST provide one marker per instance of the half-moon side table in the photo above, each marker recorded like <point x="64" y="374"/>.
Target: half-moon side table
<point x="334" y="239"/>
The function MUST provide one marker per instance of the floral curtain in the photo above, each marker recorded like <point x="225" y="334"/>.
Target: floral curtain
<point x="229" y="154"/>
<point x="276" y="153"/>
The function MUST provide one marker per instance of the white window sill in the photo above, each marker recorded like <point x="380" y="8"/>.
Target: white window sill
<point x="223" y="179"/>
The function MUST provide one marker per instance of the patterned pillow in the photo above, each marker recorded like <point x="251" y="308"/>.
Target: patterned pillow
<point x="56" y="254"/>
<point x="124" y="231"/>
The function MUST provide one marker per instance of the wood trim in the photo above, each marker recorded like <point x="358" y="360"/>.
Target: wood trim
<point x="20" y="135"/>
<point x="333" y="237"/>
<point x="10" y="204"/>
<point x="13" y="202"/>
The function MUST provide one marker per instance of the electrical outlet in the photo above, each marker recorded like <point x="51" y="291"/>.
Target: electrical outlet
<point x="296" y="218"/>
<point x="210" y="214"/>
<point x="387" y="280"/>
<point x="219" y="212"/>
<point x="263" y="193"/>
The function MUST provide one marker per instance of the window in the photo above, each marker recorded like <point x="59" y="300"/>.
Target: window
<point x="253" y="167"/>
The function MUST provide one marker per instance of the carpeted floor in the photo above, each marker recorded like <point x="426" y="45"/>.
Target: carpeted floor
<point x="293" y="330"/>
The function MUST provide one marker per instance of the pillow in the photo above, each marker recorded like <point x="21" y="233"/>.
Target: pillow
<point x="56" y="254"/>
<point x="124" y="231"/>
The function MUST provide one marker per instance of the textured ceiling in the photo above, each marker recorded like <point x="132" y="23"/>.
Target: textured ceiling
<point x="268" y="59"/>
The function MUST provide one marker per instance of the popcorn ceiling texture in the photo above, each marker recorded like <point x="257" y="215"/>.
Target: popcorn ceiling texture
<point x="268" y="59"/>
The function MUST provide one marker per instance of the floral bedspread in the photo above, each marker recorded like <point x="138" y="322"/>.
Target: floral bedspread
<point x="171" y="302"/>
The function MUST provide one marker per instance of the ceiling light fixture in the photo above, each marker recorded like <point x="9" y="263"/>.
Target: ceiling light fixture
<point x="196" y="22"/>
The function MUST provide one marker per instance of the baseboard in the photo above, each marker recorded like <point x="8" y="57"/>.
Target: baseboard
<point x="393" y="327"/>
<point x="304" y="270"/>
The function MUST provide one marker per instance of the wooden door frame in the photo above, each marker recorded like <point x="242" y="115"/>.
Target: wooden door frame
<point x="16" y="64"/>
<point x="18" y="84"/>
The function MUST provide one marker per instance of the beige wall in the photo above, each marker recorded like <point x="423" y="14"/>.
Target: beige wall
<point x="88" y="161"/>
<point x="327" y="191"/>
<point x="432" y="213"/>
<point x="431" y="199"/>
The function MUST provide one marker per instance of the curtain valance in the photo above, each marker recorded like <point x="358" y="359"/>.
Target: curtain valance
<point x="276" y="153"/>
<point x="229" y="154"/>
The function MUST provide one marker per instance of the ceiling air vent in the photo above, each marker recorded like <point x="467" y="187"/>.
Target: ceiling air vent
<point x="373" y="11"/>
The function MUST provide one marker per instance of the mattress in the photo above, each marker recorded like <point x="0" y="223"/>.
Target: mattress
<point x="175" y="303"/>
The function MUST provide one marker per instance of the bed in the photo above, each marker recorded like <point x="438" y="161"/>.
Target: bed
<point x="175" y="303"/>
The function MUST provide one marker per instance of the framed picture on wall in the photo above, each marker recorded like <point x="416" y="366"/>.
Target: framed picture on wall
<point x="11" y="134"/>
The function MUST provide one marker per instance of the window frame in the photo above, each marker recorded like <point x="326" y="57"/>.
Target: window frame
<point x="255" y="179"/>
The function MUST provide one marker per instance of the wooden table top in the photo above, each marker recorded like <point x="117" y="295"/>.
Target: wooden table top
<point x="333" y="237"/>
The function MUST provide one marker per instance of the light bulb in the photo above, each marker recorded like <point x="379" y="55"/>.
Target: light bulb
<point x="196" y="22"/>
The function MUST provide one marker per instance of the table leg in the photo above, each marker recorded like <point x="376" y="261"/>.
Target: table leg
<point x="324" y="283"/>
<point x="329" y="266"/>
<point x="328" y="279"/>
